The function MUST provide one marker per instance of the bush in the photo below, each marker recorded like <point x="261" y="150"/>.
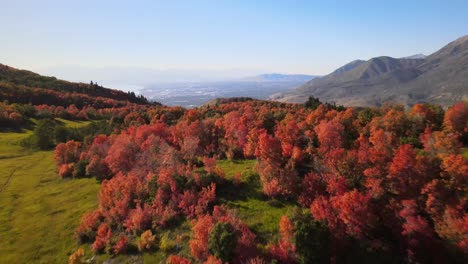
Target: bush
<point x="44" y="133"/>
<point x="80" y="169"/>
<point x="312" y="239"/>
<point x="167" y="244"/>
<point x="146" y="241"/>
<point x="60" y="134"/>
<point x="121" y="245"/>
<point x="222" y="242"/>
<point x="76" y="257"/>
<point x="29" y="142"/>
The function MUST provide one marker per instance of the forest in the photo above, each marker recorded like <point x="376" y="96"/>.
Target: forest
<point x="368" y="185"/>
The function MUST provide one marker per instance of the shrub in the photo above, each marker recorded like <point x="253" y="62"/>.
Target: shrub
<point x="80" y="169"/>
<point x="44" y="132"/>
<point x="312" y="239"/>
<point x="167" y="244"/>
<point x="146" y="241"/>
<point x="121" y="245"/>
<point x="76" y="257"/>
<point x="177" y="260"/>
<point x="223" y="240"/>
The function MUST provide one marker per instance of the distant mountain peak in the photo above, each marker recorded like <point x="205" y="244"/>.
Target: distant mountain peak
<point x="415" y="56"/>
<point x="280" y="77"/>
<point x="348" y="67"/>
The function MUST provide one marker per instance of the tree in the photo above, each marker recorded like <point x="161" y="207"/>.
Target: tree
<point x="312" y="103"/>
<point x="67" y="152"/>
<point x="60" y="134"/>
<point x="405" y="173"/>
<point x="201" y="233"/>
<point x="222" y="241"/>
<point x="104" y="234"/>
<point x="330" y="135"/>
<point x="138" y="219"/>
<point x="285" y="251"/>
<point x="122" y="154"/>
<point x="172" y="259"/>
<point x="121" y="245"/>
<point x="312" y="239"/>
<point x="44" y="133"/>
<point x="76" y="257"/>
<point x="354" y="210"/>
<point x="278" y="177"/>
<point x="456" y="118"/>
<point x="147" y="240"/>
<point x="420" y="244"/>
<point x="213" y="260"/>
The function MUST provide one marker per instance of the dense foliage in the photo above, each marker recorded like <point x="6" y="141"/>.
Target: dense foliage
<point x="376" y="184"/>
<point x="22" y="79"/>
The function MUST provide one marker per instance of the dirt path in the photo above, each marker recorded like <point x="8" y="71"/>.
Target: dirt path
<point x="3" y="187"/>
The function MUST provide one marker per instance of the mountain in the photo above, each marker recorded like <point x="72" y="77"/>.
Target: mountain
<point x="12" y="80"/>
<point x="415" y="56"/>
<point x="278" y="77"/>
<point x="441" y="77"/>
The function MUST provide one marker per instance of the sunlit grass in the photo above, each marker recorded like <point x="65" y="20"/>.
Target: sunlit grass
<point x="260" y="213"/>
<point x="39" y="211"/>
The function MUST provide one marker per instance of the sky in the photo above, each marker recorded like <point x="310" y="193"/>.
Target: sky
<point x="220" y="37"/>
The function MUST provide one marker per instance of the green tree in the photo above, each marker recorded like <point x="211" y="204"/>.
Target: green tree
<point x="312" y="103"/>
<point x="44" y="133"/>
<point x="312" y="238"/>
<point x="222" y="242"/>
<point x="60" y="134"/>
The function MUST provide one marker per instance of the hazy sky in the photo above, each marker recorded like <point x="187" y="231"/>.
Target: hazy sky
<point x="312" y="37"/>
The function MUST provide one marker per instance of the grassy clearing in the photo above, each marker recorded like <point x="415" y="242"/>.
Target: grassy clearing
<point x="73" y="124"/>
<point x="38" y="211"/>
<point x="261" y="214"/>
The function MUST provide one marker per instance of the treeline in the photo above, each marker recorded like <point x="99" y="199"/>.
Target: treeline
<point x="382" y="185"/>
<point x="22" y="78"/>
<point x="17" y="116"/>
<point x="37" y="96"/>
<point x="47" y="133"/>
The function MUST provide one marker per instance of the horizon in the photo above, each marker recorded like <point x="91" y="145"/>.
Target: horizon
<point x="179" y="40"/>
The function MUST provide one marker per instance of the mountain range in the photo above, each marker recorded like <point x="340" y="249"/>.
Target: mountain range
<point x="441" y="77"/>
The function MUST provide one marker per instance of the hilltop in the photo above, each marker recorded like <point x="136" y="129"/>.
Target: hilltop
<point x="12" y="80"/>
<point x="441" y="77"/>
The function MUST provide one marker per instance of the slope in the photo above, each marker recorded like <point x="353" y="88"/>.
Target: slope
<point x="13" y="76"/>
<point x="440" y="78"/>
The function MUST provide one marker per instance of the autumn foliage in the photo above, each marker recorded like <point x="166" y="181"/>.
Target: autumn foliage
<point x="384" y="182"/>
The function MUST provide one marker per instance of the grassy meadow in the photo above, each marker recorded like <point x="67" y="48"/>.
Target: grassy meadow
<point x="38" y="211"/>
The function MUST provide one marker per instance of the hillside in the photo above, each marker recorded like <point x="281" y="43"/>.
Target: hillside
<point x="23" y="78"/>
<point x="441" y="77"/>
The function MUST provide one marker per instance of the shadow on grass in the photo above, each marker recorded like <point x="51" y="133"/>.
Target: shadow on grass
<point x="228" y="191"/>
<point x="14" y="156"/>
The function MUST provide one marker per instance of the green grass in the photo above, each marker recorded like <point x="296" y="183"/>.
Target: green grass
<point x="260" y="213"/>
<point x="38" y="211"/>
<point x="73" y="124"/>
<point x="9" y="144"/>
